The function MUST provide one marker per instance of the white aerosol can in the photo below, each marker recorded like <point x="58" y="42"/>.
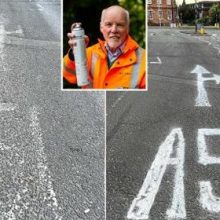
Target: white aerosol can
<point x="79" y="52"/>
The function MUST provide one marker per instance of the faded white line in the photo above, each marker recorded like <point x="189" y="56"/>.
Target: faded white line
<point x="204" y="157"/>
<point x="115" y="103"/>
<point x="118" y="99"/>
<point x="18" y="31"/>
<point x="44" y="174"/>
<point x="32" y="43"/>
<point x="2" y="32"/>
<point x="2" y="41"/>
<point x="210" y="43"/>
<point x="28" y="190"/>
<point x="208" y="201"/>
<point x="156" y="62"/>
<point x="7" y="107"/>
<point x="40" y="7"/>
<point x="141" y="205"/>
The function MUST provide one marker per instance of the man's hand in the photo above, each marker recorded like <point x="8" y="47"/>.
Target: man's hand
<point x="72" y="42"/>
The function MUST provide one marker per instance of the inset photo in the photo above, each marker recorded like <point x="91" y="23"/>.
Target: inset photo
<point x="104" y="45"/>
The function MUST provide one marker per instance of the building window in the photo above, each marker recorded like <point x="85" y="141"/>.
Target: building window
<point x="160" y="14"/>
<point x="149" y="2"/>
<point x="150" y="15"/>
<point x="168" y="2"/>
<point x="169" y="15"/>
<point x="159" y="2"/>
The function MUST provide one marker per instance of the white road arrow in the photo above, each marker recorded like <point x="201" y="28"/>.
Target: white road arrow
<point x="202" y="97"/>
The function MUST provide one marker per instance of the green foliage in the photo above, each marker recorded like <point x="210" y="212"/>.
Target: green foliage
<point x="204" y="21"/>
<point x="186" y="14"/>
<point x="214" y="13"/>
<point x="136" y="9"/>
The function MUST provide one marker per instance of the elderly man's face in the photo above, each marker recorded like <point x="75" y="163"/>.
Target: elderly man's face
<point x="114" y="27"/>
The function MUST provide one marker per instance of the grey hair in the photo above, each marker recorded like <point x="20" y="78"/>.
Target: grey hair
<point x="127" y="16"/>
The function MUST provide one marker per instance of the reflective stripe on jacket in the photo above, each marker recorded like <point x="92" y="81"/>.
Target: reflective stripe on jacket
<point x="127" y="72"/>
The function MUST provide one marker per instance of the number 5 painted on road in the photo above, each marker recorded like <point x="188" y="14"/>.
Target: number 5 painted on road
<point x="207" y="199"/>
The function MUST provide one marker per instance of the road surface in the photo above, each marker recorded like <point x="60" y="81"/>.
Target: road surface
<point x="163" y="156"/>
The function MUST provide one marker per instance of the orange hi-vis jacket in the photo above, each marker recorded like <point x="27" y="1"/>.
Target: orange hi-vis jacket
<point x="127" y="72"/>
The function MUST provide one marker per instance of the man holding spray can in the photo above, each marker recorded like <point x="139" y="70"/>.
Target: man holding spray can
<point x="118" y="62"/>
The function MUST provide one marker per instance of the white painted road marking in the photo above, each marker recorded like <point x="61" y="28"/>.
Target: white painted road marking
<point x="7" y="107"/>
<point x="2" y="37"/>
<point x="27" y="182"/>
<point x="44" y="174"/>
<point x="211" y="43"/>
<point x="40" y="7"/>
<point x="156" y="62"/>
<point x="141" y="205"/>
<point x="202" y="97"/>
<point x="18" y="31"/>
<point x="204" y="157"/>
<point x="118" y="99"/>
<point x="207" y="199"/>
<point x="3" y="33"/>
<point x="115" y="103"/>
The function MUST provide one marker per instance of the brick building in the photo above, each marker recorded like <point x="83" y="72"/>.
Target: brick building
<point x="162" y="12"/>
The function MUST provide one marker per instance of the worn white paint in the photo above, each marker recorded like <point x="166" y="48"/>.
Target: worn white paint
<point x="18" y="31"/>
<point x="204" y="157"/>
<point x="3" y="32"/>
<point x="87" y="211"/>
<point x="208" y="201"/>
<point x="2" y="38"/>
<point x="3" y="64"/>
<point x="44" y="174"/>
<point x="156" y="62"/>
<point x="202" y="97"/>
<point x="141" y="205"/>
<point x="118" y="99"/>
<point x="7" y="107"/>
<point x="177" y="209"/>
<point x="211" y="42"/>
<point x="15" y="159"/>
<point x="40" y="7"/>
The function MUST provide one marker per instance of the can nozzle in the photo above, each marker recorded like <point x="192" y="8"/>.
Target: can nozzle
<point x="76" y="25"/>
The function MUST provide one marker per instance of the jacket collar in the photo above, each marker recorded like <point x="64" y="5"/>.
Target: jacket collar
<point x="130" y="44"/>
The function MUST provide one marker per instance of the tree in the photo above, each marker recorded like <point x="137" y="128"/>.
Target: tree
<point x="214" y="13"/>
<point x="137" y="13"/>
<point x="187" y="14"/>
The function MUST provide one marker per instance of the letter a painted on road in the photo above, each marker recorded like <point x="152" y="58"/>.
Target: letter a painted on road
<point x="141" y="205"/>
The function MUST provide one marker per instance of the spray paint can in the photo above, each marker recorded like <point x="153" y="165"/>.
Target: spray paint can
<point x="79" y="51"/>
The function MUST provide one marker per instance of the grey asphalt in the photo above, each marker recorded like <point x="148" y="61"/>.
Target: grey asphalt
<point x="51" y="141"/>
<point x="139" y="122"/>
